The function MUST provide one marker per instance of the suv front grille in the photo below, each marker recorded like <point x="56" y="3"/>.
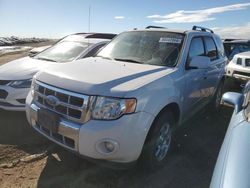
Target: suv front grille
<point x="70" y="105"/>
<point x="242" y="73"/>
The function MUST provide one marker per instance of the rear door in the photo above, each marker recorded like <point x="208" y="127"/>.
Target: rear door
<point x="215" y="70"/>
<point x="194" y="77"/>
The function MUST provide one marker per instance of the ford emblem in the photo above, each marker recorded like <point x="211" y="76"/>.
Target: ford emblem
<point x="52" y="100"/>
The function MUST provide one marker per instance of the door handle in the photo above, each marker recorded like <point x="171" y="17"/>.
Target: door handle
<point x="205" y="75"/>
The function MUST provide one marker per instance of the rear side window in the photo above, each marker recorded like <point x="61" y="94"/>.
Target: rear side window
<point x="196" y="48"/>
<point x="93" y="52"/>
<point x="220" y="47"/>
<point x="211" y="48"/>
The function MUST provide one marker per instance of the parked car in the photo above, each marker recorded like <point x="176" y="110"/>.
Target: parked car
<point x="233" y="165"/>
<point x="37" y="50"/>
<point x="125" y="103"/>
<point x="239" y="67"/>
<point x="235" y="46"/>
<point x="16" y="76"/>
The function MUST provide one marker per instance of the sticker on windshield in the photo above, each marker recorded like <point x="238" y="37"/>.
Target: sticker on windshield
<point x="170" y="40"/>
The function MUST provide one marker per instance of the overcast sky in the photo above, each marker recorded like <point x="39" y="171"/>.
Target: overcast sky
<point x="57" y="18"/>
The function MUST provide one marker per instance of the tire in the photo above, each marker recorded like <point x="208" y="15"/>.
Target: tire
<point x="216" y="102"/>
<point x="158" y="142"/>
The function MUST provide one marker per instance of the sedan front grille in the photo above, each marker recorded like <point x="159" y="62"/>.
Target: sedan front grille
<point x="4" y="82"/>
<point x="3" y="94"/>
<point x="70" y="105"/>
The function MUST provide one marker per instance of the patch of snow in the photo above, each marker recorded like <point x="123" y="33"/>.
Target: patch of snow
<point x="8" y="41"/>
<point x="11" y="49"/>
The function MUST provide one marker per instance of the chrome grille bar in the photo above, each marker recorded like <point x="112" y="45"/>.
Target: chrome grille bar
<point x="74" y="108"/>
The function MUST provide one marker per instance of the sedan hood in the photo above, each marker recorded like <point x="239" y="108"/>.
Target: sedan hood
<point x="23" y="68"/>
<point x="97" y="76"/>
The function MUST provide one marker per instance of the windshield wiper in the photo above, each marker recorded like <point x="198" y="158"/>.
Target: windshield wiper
<point x="45" y="59"/>
<point x="104" y="57"/>
<point x="127" y="60"/>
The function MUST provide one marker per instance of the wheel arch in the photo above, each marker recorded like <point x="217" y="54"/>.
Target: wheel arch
<point x="171" y="107"/>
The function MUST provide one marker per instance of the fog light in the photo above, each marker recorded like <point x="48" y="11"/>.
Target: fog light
<point x="109" y="146"/>
<point x="228" y="72"/>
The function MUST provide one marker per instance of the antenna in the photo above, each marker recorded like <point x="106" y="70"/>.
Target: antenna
<point x="89" y="17"/>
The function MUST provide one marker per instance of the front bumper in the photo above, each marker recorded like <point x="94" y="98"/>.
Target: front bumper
<point x="13" y="99"/>
<point x="238" y="71"/>
<point x="127" y="134"/>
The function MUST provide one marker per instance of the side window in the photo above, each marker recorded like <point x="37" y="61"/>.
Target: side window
<point x="211" y="48"/>
<point x="94" y="51"/>
<point x="196" y="48"/>
<point x="220" y="47"/>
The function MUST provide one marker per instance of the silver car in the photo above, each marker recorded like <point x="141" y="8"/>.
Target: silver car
<point x="124" y="104"/>
<point x="232" y="169"/>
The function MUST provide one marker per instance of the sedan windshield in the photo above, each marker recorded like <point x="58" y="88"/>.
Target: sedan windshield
<point x="64" y="51"/>
<point x="145" y="47"/>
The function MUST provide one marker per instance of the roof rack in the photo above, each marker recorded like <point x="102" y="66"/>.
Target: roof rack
<point x="154" y="27"/>
<point x="204" y="29"/>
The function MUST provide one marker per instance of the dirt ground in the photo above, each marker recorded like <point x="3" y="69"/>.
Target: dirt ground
<point x="12" y="56"/>
<point x="29" y="160"/>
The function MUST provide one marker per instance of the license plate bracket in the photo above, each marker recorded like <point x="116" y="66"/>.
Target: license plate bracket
<point x="48" y="120"/>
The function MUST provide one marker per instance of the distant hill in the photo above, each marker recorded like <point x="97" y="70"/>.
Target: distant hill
<point x="8" y="41"/>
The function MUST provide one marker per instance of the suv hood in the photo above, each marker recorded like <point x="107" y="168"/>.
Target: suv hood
<point x="97" y="76"/>
<point x="23" y="68"/>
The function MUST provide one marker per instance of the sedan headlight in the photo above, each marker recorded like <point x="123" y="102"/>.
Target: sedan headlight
<point x="107" y="108"/>
<point x="20" y="83"/>
<point x="32" y="87"/>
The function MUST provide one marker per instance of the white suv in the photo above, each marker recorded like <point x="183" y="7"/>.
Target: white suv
<point x="125" y="102"/>
<point x="239" y="67"/>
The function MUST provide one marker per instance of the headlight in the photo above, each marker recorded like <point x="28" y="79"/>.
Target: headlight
<point x="106" y="108"/>
<point x="20" y="83"/>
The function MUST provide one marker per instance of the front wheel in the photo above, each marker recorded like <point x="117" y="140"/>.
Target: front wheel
<point x="158" y="143"/>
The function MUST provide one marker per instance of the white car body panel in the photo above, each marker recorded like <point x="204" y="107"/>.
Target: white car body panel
<point x="25" y="68"/>
<point x="243" y="70"/>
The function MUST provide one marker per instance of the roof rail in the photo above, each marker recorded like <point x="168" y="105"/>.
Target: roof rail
<point x="154" y="27"/>
<point x="204" y="29"/>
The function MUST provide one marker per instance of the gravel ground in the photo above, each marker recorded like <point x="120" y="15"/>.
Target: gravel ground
<point x="190" y="164"/>
<point x="15" y="55"/>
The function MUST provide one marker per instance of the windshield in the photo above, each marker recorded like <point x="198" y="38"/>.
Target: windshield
<point x="145" y="47"/>
<point x="233" y="49"/>
<point x="64" y="51"/>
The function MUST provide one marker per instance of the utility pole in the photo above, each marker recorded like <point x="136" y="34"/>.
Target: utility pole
<point x="89" y="17"/>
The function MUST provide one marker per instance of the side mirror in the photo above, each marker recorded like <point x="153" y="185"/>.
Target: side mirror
<point x="199" y="62"/>
<point x="233" y="99"/>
